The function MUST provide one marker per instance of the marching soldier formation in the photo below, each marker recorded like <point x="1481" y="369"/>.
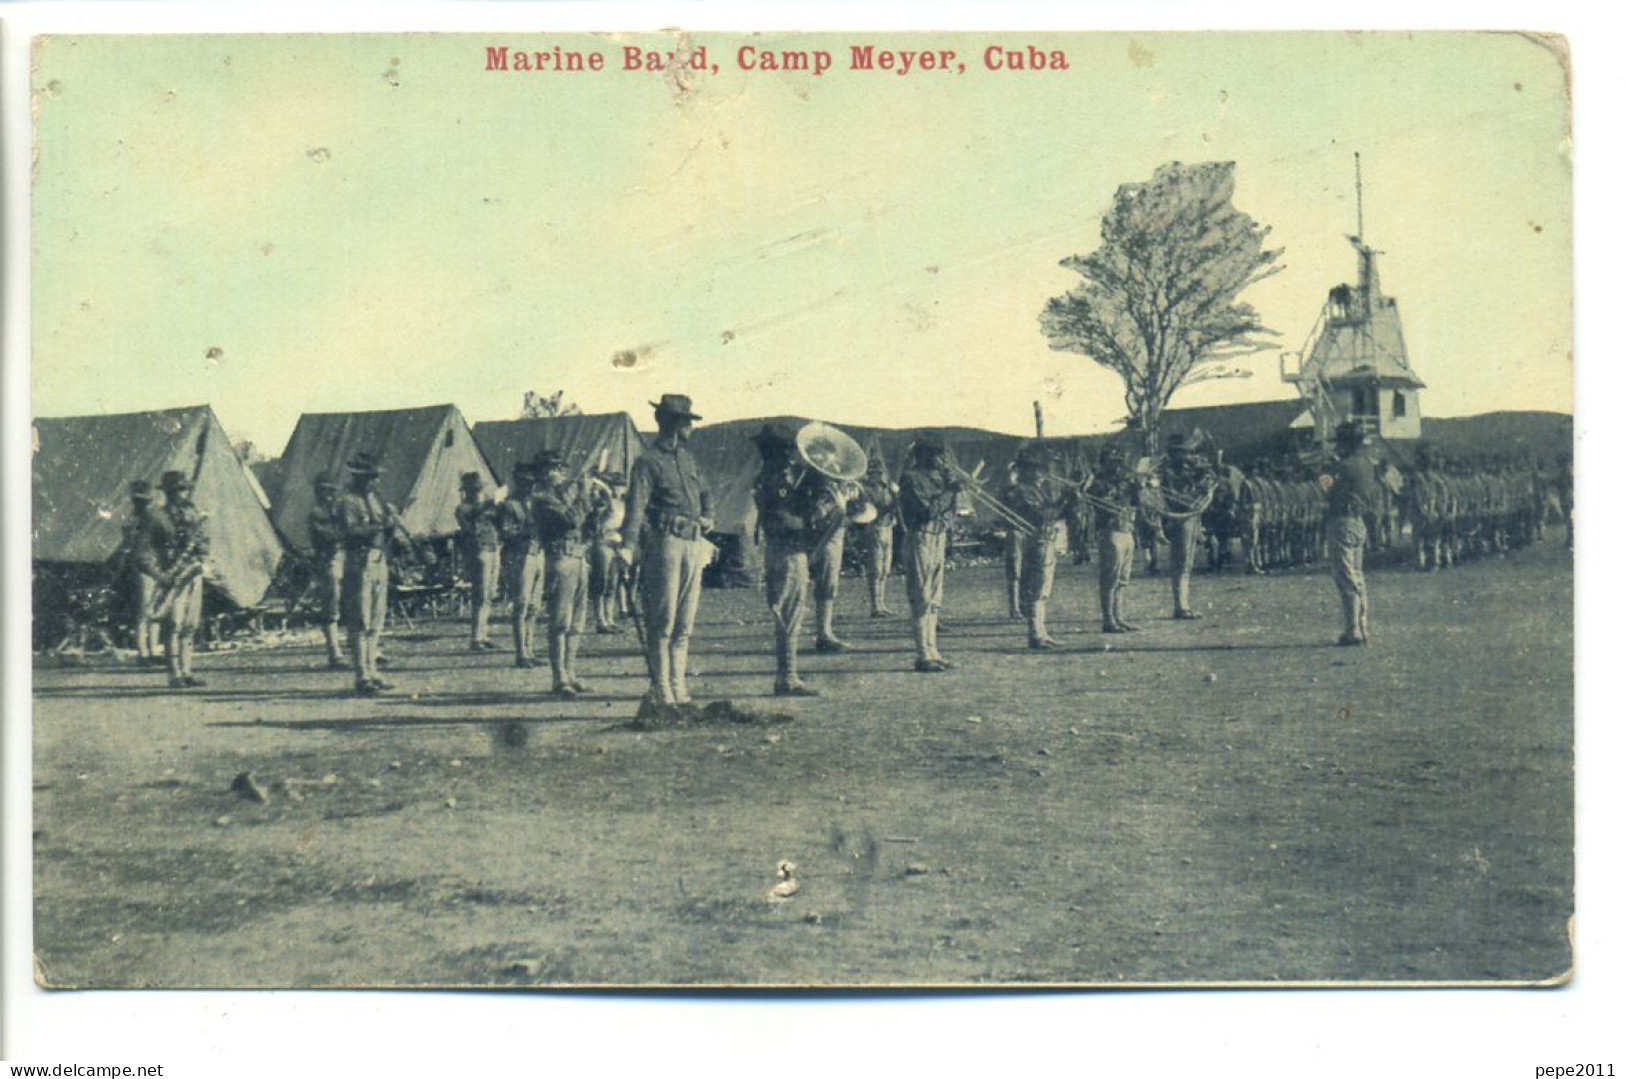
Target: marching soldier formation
<point x="596" y="550"/>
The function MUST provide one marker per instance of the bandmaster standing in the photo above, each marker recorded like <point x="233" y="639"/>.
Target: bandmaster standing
<point x="668" y="509"/>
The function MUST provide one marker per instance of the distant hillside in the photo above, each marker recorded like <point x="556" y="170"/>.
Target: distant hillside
<point x="1544" y="434"/>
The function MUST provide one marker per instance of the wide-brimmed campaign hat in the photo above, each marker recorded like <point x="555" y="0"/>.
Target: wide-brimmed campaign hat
<point x="325" y="482"/>
<point x="774" y="435"/>
<point x="141" y="491"/>
<point x="676" y="405"/>
<point x="175" y="481"/>
<point x="472" y="481"/>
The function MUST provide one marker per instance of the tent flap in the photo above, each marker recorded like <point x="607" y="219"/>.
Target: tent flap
<point x="83" y="467"/>
<point x="606" y="440"/>
<point x="422" y="451"/>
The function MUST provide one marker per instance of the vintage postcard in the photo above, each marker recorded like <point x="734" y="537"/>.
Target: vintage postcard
<point x="768" y="509"/>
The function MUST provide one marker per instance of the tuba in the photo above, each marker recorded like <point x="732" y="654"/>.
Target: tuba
<point x="836" y="455"/>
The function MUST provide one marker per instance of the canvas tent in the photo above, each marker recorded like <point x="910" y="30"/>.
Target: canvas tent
<point x="268" y="474"/>
<point x="423" y="453"/>
<point x="609" y="440"/>
<point x="82" y="470"/>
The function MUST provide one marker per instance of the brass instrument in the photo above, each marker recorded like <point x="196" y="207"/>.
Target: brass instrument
<point x="187" y="567"/>
<point x="978" y="491"/>
<point x="836" y="456"/>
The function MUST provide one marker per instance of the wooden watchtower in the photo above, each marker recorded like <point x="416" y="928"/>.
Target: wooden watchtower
<point x="1355" y="366"/>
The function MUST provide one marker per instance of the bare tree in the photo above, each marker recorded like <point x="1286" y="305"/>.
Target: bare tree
<point x="542" y="406"/>
<point x="1157" y="303"/>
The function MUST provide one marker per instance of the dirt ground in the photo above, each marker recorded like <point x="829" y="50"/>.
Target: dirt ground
<point x="1224" y="800"/>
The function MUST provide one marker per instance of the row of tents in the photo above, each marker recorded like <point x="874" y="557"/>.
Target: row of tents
<point x="83" y="466"/>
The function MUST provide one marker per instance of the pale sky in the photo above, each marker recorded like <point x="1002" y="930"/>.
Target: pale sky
<point x="378" y="222"/>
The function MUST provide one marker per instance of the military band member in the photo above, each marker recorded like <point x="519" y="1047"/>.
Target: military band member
<point x="327" y="557"/>
<point x="1187" y="479"/>
<point x="785" y="509"/>
<point x="1039" y="499"/>
<point x="605" y="568"/>
<point x="927" y="497"/>
<point x="523" y="563"/>
<point x="138" y="566"/>
<point x="1114" y="493"/>
<point x="182" y="546"/>
<point x="481" y="547"/>
<point x="1352" y="493"/>
<point x="559" y="510"/>
<point x="668" y="509"/>
<point x="879" y="534"/>
<point x="1565" y="497"/>
<point x="369" y="525"/>
<point x="1014" y="552"/>
<point x="824" y="561"/>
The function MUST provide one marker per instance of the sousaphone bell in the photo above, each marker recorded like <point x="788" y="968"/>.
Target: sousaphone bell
<point x="836" y="455"/>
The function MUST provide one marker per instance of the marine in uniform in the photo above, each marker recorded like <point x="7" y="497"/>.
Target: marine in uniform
<point x="327" y="557"/>
<point x="1114" y="492"/>
<point x="1187" y="480"/>
<point x="368" y="526"/>
<point x="1014" y="555"/>
<point x="785" y="511"/>
<point x="1352" y="493"/>
<point x="1250" y="519"/>
<point x="605" y="566"/>
<point x="182" y="546"/>
<point x="824" y="561"/>
<point x="1565" y="497"/>
<point x="523" y="563"/>
<point x="481" y="546"/>
<point x="559" y="511"/>
<point x="138" y="566"/>
<point x="879" y="534"/>
<point x="927" y="496"/>
<point x="1039" y="500"/>
<point x="668" y="510"/>
<point x="1426" y="496"/>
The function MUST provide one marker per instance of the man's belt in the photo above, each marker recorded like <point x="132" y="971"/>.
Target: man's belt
<point x="565" y="548"/>
<point x="677" y="525"/>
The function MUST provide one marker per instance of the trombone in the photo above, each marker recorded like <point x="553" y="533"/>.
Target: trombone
<point x="978" y="490"/>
